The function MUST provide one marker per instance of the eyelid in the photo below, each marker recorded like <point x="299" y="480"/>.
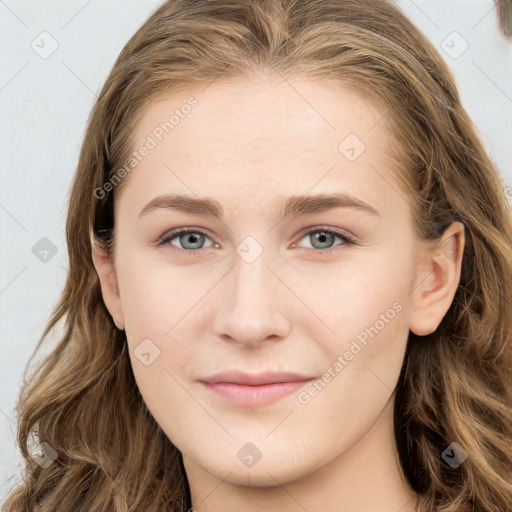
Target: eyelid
<point x="337" y="231"/>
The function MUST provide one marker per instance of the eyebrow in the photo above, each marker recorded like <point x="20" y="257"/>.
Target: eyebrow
<point x="293" y="206"/>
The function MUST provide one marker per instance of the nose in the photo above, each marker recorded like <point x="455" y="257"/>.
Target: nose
<point x="253" y="304"/>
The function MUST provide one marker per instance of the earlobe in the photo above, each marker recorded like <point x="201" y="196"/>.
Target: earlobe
<point x="106" y="271"/>
<point x="438" y="278"/>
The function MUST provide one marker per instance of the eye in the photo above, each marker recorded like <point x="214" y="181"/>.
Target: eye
<point x="190" y="240"/>
<point x="323" y="238"/>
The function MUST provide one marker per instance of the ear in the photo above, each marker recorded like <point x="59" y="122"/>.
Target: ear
<point x="105" y="269"/>
<point x="439" y="275"/>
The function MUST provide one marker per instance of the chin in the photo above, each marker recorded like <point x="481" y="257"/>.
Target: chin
<point x="269" y="471"/>
<point x="269" y="475"/>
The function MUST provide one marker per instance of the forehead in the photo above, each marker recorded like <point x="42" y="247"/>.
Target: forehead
<point x="262" y="110"/>
<point x="263" y="137"/>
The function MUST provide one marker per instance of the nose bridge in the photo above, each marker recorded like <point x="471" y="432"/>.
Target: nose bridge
<point x="252" y="277"/>
<point x="250" y="309"/>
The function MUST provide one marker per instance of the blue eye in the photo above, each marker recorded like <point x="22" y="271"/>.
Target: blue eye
<point x="187" y="237"/>
<point x="326" y="238"/>
<point x="191" y="240"/>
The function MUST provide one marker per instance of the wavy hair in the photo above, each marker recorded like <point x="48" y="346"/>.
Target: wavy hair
<point x="455" y="384"/>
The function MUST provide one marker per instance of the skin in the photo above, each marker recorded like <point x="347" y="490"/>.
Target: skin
<point x="248" y="144"/>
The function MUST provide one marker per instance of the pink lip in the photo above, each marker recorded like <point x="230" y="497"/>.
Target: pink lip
<point x="254" y="390"/>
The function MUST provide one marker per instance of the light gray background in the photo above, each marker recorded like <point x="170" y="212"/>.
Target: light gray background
<point x="45" y="101"/>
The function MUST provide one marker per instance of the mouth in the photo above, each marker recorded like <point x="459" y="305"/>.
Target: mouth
<point x="254" y="390"/>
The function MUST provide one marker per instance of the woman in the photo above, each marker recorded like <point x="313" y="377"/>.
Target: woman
<point x="248" y="371"/>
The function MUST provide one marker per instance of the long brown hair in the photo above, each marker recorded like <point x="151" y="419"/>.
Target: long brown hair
<point x="455" y="384"/>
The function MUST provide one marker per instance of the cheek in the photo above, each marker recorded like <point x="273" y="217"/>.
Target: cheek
<point x="157" y="305"/>
<point x="156" y="296"/>
<point x="366" y="292"/>
<point x="367" y="309"/>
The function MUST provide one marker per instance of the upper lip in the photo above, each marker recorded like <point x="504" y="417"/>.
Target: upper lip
<point x="255" y="379"/>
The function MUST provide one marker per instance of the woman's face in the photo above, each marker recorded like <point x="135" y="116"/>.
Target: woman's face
<point x="265" y="344"/>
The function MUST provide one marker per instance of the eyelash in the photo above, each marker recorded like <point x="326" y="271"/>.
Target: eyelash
<point x="171" y="235"/>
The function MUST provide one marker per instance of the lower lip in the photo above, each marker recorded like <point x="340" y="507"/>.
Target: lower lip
<point x="254" y="396"/>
